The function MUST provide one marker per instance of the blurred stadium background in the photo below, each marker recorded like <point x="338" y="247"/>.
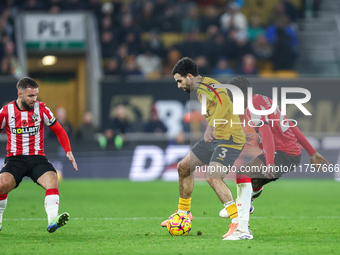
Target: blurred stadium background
<point x="104" y="69"/>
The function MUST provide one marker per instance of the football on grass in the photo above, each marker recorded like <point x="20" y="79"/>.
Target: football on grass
<point x="179" y="224"/>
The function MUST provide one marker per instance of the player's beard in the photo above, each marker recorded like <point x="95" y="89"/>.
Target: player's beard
<point x="188" y="89"/>
<point x="25" y="105"/>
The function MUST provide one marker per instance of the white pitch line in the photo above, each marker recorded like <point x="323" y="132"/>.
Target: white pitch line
<point x="199" y="218"/>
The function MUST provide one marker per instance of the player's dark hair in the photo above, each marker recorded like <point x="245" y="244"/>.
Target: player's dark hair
<point x="27" y="82"/>
<point x="240" y="82"/>
<point x="184" y="66"/>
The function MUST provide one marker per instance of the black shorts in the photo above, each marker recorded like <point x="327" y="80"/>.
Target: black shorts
<point x="32" y="166"/>
<point x="283" y="162"/>
<point x="216" y="151"/>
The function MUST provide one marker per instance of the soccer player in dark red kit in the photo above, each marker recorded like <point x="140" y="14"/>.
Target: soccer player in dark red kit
<point x="280" y="141"/>
<point x="23" y="120"/>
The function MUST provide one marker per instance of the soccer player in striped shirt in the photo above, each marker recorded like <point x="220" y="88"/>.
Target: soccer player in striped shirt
<point x="23" y="121"/>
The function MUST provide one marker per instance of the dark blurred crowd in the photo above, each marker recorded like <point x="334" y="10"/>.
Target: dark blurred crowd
<point x="147" y="37"/>
<point x="113" y="135"/>
<point x="8" y="60"/>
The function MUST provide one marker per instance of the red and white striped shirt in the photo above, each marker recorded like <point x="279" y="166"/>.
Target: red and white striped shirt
<point x="25" y="128"/>
<point x="284" y="137"/>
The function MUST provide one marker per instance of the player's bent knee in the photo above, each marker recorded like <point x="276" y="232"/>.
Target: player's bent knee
<point x="213" y="181"/>
<point x="5" y="188"/>
<point x="7" y="183"/>
<point x="50" y="185"/>
<point x="182" y="169"/>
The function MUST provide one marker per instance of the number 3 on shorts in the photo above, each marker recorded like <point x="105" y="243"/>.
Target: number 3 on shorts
<point x="224" y="153"/>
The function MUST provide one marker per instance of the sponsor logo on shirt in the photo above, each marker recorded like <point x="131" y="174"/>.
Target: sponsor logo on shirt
<point x="25" y="130"/>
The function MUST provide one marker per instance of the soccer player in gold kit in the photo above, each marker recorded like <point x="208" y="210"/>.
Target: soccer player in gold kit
<point x="220" y="146"/>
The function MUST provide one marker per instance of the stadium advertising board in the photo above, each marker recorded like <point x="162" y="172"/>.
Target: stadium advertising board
<point x="322" y="127"/>
<point x="54" y="31"/>
<point x="159" y="161"/>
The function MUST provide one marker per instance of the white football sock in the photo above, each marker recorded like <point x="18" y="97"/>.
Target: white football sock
<point x="235" y="220"/>
<point x="244" y="191"/>
<point x="180" y="211"/>
<point x="3" y="204"/>
<point x="51" y="206"/>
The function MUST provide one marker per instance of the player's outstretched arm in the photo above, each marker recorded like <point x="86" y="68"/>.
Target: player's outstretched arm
<point x="270" y="171"/>
<point x="70" y="157"/>
<point x="318" y="160"/>
<point x="64" y="142"/>
<point x="302" y="140"/>
<point x="315" y="158"/>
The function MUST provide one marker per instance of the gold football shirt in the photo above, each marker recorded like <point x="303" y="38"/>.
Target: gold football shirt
<point x="232" y="130"/>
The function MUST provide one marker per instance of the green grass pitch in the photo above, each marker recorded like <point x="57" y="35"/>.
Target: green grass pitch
<point x="121" y="217"/>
